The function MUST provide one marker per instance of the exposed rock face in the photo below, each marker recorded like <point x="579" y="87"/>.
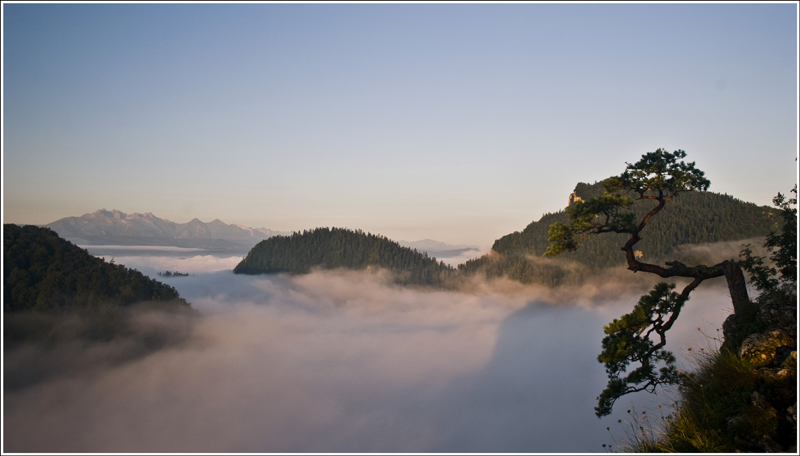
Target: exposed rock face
<point x="761" y="348"/>
<point x="574" y="198"/>
<point x="762" y="404"/>
<point x="771" y="348"/>
<point x="775" y="314"/>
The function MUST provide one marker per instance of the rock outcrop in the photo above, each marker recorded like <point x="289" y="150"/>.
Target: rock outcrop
<point x="574" y="198"/>
<point x="771" y="349"/>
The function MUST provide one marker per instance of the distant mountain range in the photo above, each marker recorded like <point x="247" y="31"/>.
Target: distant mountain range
<point x="118" y="228"/>
<point x="104" y="227"/>
<point x="694" y="218"/>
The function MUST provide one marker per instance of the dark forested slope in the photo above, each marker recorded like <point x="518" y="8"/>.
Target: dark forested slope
<point x="44" y="272"/>
<point x="330" y="248"/>
<point x="65" y="311"/>
<point x="692" y="218"/>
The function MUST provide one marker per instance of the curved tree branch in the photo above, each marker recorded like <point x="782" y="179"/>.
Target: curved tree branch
<point x="659" y="176"/>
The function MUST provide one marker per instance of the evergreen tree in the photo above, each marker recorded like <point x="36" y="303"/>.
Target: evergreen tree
<point x="637" y="339"/>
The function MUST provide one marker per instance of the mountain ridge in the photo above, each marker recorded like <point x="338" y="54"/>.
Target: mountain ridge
<point x="104" y="226"/>
<point x="693" y="218"/>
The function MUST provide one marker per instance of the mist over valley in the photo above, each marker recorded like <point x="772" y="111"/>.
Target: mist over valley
<point x="350" y="343"/>
<point x="399" y="227"/>
<point x="340" y="361"/>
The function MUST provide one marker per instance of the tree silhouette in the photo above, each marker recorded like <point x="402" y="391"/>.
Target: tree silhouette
<point x="639" y="337"/>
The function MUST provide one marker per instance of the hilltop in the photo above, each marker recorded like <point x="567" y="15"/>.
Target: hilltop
<point x="330" y="248"/>
<point x="58" y="300"/>
<point x="692" y="218"/>
<point x="44" y="274"/>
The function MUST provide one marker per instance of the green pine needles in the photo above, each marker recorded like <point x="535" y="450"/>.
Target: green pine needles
<point x="633" y="347"/>
<point x="628" y="341"/>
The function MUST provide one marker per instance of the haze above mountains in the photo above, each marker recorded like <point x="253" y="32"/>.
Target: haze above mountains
<point x="118" y="228"/>
<point x="104" y="227"/>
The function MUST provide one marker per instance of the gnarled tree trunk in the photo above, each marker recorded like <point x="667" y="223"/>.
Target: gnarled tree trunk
<point x="742" y="306"/>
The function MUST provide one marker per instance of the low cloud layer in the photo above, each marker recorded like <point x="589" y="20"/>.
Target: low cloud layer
<point x="342" y="361"/>
<point x="709" y="254"/>
<point x="464" y="256"/>
<point x="193" y="264"/>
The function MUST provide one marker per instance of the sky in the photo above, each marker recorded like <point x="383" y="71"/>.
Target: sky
<point x="459" y="123"/>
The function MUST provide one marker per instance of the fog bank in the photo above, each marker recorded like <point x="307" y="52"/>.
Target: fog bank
<point x="340" y="361"/>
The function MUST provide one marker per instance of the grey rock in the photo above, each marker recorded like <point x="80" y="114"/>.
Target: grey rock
<point x="763" y="404"/>
<point x="768" y="445"/>
<point x="777" y="313"/>
<point x="733" y="421"/>
<point x="774" y="374"/>
<point x="759" y="400"/>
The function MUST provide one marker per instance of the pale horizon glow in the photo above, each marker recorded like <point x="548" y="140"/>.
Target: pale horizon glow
<point x="459" y="123"/>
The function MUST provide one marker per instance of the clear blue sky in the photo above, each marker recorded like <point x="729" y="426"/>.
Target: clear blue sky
<point x="460" y="123"/>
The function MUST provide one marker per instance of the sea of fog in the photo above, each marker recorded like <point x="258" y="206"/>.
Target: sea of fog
<point x="346" y="362"/>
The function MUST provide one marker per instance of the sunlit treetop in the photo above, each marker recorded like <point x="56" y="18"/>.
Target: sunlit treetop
<point x="659" y="175"/>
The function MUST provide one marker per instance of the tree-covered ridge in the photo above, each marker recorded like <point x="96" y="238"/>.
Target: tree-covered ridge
<point x="691" y="218"/>
<point x="44" y="272"/>
<point x="331" y="248"/>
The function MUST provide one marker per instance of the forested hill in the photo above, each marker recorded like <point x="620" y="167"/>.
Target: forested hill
<point x="43" y="272"/>
<point x="330" y="248"/>
<point x="691" y="218"/>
